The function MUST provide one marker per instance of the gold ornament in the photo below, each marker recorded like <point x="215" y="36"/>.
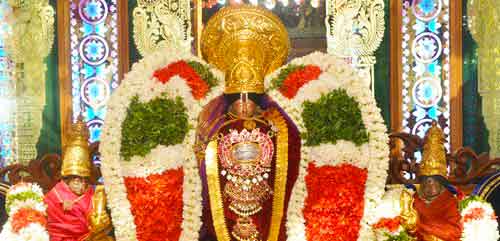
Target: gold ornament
<point x="247" y="43"/>
<point x="408" y="213"/>
<point x="355" y="29"/>
<point x="76" y="160"/>
<point x="160" y="24"/>
<point x="434" y="156"/>
<point x="100" y="222"/>
<point x="244" y="227"/>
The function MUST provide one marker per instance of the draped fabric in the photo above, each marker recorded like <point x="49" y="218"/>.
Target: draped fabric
<point x="439" y="218"/>
<point x="211" y="119"/>
<point x="69" y="225"/>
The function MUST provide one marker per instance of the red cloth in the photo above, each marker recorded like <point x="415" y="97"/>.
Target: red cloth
<point x="439" y="218"/>
<point x="69" y="225"/>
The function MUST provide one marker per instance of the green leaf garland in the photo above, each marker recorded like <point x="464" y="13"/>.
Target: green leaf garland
<point x="335" y="116"/>
<point x="204" y="73"/>
<point x="403" y="236"/>
<point x="464" y="203"/>
<point x="21" y="197"/>
<point x="161" y="121"/>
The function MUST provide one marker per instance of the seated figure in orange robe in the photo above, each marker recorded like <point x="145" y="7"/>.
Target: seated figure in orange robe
<point x="75" y="209"/>
<point x="436" y="207"/>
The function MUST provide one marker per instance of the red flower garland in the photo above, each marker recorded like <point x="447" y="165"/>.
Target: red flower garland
<point x="26" y="216"/>
<point x="295" y="80"/>
<point x="335" y="201"/>
<point x="391" y="224"/>
<point x="156" y="203"/>
<point x="199" y="87"/>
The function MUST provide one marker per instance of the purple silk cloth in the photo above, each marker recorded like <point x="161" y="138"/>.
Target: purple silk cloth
<point x="210" y="122"/>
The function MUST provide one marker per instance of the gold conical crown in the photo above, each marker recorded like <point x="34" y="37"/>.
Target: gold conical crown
<point x="247" y="43"/>
<point x="434" y="156"/>
<point x="76" y="160"/>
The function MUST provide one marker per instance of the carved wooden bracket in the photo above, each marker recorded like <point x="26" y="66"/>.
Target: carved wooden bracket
<point x="465" y="166"/>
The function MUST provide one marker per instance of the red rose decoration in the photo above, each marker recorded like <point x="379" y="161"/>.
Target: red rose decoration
<point x="335" y="201"/>
<point x="156" y="203"/>
<point x="199" y="87"/>
<point x="26" y="216"/>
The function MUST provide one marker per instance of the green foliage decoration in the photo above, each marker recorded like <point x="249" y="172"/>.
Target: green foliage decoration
<point x="335" y="116"/>
<point x="278" y="80"/>
<point x="403" y="236"/>
<point x="464" y="203"/>
<point x="21" y="197"/>
<point x="204" y="73"/>
<point x="161" y="121"/>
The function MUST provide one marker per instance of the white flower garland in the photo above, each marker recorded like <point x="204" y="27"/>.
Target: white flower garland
<point x="484" y="228"/>
<point x="373" y="156"/>
<point x="140" y="82"/>
<point x="33" y="231"/>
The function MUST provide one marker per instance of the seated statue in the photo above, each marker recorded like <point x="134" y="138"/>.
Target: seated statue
<point x="76" y="210"/>
<point x="432" y="214"/>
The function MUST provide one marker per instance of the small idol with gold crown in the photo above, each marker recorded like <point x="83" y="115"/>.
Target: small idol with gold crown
<point x="432" y="213"/>
<point x="248" y="148"/>
<point x="75" y="209"/>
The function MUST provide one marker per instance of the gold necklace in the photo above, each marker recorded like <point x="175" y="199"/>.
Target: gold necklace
<point x="215" y="194"/>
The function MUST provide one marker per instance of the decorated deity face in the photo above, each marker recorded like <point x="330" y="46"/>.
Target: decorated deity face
<point x="431" y="188"/>
<point x="243" y="107"/>
<point x="78" y="185"/>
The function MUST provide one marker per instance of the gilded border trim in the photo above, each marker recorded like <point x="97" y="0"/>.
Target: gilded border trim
<point x="212" y="169"/>
<point x="491" y="184"/>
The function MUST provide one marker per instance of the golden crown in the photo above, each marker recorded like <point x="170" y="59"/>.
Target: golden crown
<point x="434" y="156"/>
<point x="247" y="43"/>
<point x="76" y="160"/>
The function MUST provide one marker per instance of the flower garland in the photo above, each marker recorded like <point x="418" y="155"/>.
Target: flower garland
<point x="149" y="196"/>
<point x="372" y="155"/>
<point x="199" y="87"/>
<point x="391" y="225"/>
<point x="144" y="127"/>
<point x="175" y="75"/>
<point x="479" y="220"/>
<point x="27" y="217"/>
<point x="293" y="77"/>
<point x="334" y="204"/>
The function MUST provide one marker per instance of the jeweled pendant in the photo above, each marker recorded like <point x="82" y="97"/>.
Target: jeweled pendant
<point x="245" y="230"/>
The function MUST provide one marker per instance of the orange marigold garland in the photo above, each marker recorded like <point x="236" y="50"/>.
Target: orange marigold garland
<point x="335" y="201"/>
<point x="474" y="214"/>
<point x="199" y="87"/>
<point x="156" y="203"/>
<point x="26" y="216"/>
<point x="296" y="79"/>
<point x="391" y="224"/>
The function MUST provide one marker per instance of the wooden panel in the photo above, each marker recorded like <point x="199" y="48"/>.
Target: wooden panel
<point x="123" y="39"/>
<point x="63" y="47"/>
<point x="395" y="65"/>
<point x="456" y="121"/>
